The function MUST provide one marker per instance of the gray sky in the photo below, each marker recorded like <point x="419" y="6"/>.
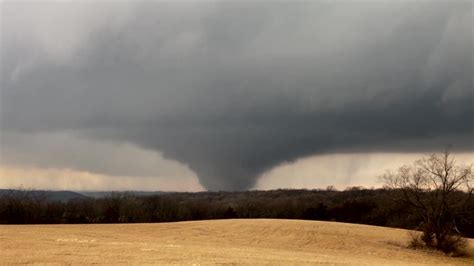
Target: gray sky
<point x="216" y="94"/>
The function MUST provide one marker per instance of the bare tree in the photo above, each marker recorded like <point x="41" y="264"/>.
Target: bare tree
<point x="21" y="205"/>
<point x="436" y="188"/>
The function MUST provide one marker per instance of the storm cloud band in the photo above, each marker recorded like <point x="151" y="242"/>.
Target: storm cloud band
<point x="233" y="89"/>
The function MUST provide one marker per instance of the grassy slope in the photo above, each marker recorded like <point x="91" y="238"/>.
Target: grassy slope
<point x="219" y="241"/>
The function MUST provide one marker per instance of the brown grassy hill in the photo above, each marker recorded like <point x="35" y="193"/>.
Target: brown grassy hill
<point x="252" y="241"/>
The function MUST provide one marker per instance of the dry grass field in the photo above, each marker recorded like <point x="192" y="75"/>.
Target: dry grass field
<point x="253" y="241"/>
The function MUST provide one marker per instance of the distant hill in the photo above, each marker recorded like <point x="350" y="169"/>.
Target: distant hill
<point x="65" y="195"/>
<point x="52" y="195"/>
<point x="103" y="194"/>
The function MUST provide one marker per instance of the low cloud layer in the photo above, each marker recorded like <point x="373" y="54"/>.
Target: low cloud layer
<point x="70" y="179"/>
<point x="342" y="170"/>
<point x="234" y="89"/>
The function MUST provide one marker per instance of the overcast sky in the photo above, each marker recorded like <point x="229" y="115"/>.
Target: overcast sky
<point x="224" y="95"/>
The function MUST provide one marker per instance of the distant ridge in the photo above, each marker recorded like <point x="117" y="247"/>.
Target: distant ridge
<point x="66" y="195"/>
<point x="103" y="194"/>
<point x="52" y="195"/>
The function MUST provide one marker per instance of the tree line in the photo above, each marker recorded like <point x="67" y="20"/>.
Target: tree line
<point x="354" y="205"/>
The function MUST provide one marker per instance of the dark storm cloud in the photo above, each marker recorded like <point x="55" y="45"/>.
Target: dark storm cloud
<point x="232" y="89"/>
